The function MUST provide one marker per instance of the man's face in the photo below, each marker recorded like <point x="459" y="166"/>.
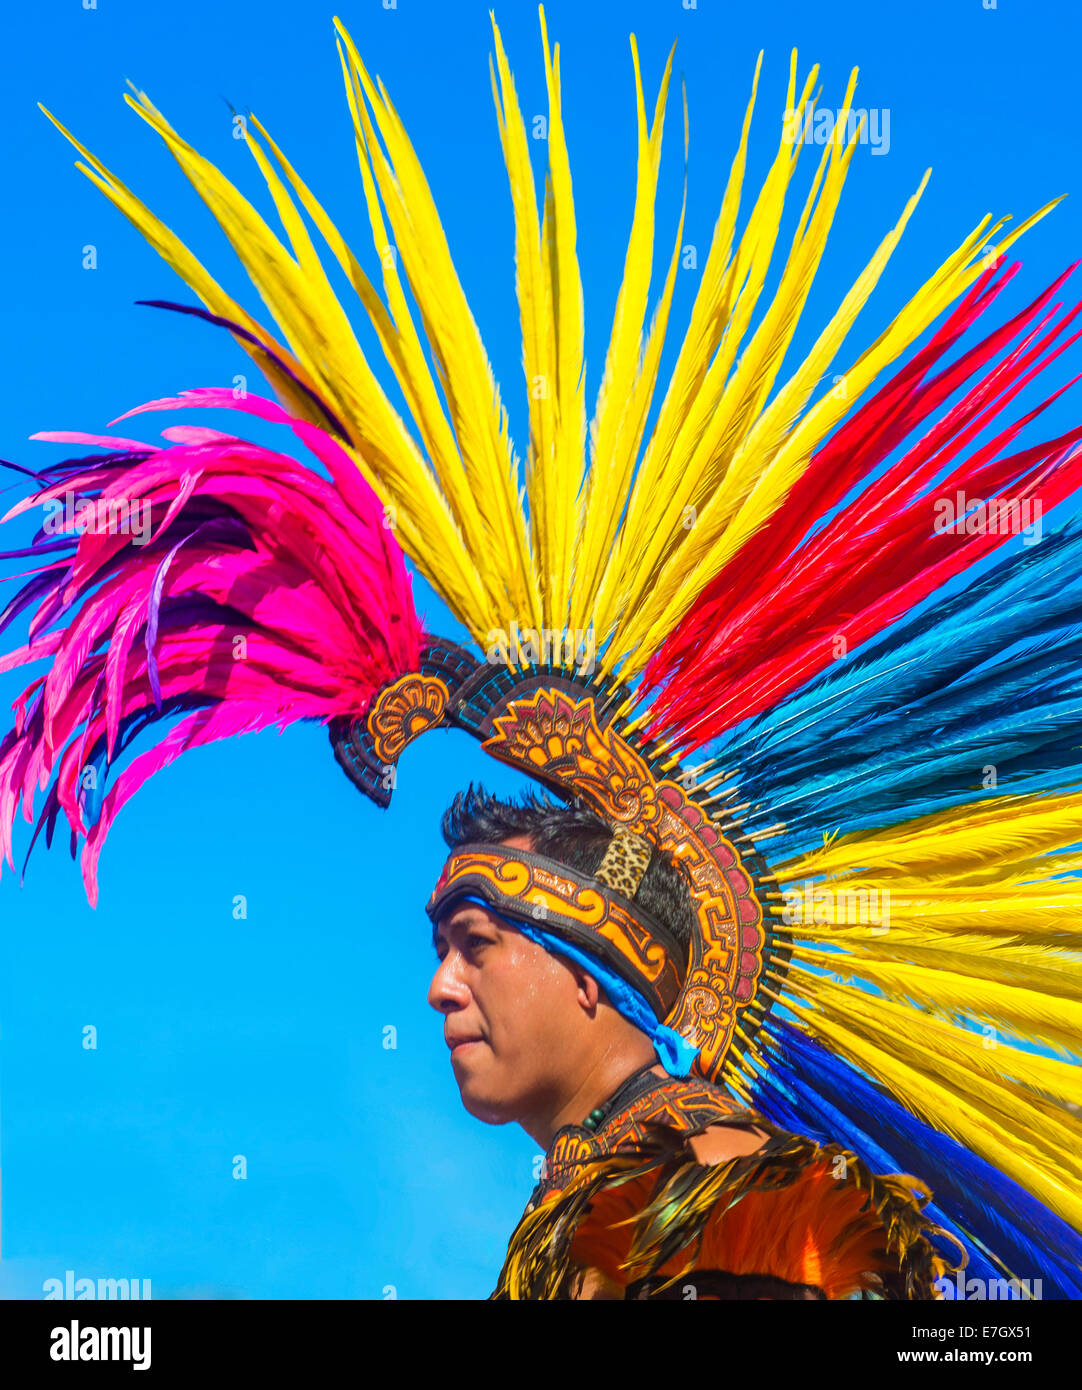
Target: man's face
<point x="510" y="1011"/>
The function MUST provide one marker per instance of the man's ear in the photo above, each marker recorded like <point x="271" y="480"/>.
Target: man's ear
<point x="588" y="991"/>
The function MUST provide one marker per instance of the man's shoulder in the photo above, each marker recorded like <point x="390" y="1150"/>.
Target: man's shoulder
<point x="683" y="1105"/>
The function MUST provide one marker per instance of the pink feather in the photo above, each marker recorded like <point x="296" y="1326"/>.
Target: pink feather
<point x="260" y="547"/>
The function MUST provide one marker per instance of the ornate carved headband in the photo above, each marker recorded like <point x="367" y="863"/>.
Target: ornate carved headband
<point x="581" y="908"/>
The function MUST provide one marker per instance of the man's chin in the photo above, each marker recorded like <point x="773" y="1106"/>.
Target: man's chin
<point x="488" y="1112"/>
<point x="480" y="1098"/>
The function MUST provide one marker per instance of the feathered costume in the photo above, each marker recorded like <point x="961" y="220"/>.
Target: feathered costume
<point x="795" y="691"/>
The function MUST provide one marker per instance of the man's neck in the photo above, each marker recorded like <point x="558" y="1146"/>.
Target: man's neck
<point x="593" y="1093"/>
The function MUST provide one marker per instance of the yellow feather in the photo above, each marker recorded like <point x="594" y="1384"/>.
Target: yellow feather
<point x="666" y="486"/>
<point x="611" y="459"/>
<point x="1029" y="1014"/>
<point x="1010" y="959"/>
<point x="382" y="447"/>
<point x="569" y="464"/>
<point x="1044" y="913"/>
<point x="625" y="584"/>
<point x="177" y="255"/>
<point x="959" y="842"/>
<point x="534" y="289"/>
<point x="477" y="416"/>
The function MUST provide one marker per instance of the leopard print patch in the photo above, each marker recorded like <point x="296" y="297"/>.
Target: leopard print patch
<point x="626" y="860"/>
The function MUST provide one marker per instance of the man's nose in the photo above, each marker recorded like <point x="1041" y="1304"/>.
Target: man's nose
<point x="448" y="990"/>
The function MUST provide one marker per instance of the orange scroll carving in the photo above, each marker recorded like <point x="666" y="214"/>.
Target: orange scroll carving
<point x="403" y="711"/>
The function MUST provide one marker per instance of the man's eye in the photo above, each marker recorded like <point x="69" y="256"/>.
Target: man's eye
<point x="473" y="940"/>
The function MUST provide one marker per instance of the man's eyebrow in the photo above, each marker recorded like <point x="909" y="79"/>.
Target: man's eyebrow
<point x="464" y="919"/>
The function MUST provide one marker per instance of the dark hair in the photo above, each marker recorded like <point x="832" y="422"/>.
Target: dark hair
<point x="575" y="837"/>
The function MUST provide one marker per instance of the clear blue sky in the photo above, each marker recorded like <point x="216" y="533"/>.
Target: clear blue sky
<point x="264" y="1037"/>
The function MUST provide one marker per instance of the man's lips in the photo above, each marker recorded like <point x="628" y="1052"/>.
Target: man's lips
<point x="459" y="1044"/>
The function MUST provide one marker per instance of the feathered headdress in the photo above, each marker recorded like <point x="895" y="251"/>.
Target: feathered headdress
<point x="722" y="617"/>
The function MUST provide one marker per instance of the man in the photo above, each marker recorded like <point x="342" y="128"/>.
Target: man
<point x="536" y="1040"/>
